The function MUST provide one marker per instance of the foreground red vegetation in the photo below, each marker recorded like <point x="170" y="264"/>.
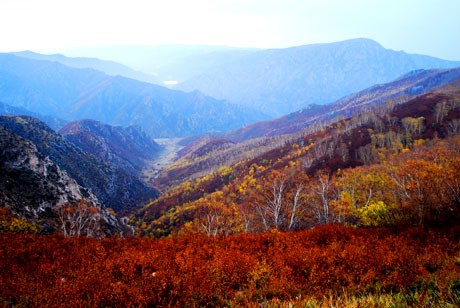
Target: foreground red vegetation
<point x="52" y="271"/>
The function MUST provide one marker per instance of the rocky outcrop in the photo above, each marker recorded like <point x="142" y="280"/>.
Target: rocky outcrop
<point x="34" y="187"/>
<point x="113" y="187"/>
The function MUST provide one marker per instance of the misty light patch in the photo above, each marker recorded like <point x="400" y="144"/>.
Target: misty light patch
<point x="170" y="82"/>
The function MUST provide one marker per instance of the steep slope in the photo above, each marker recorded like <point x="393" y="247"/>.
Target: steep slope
<point x="32" y="186"/>
<point x="258" y="138"/>
<point x="280" y="81"/>
<point x="113" y="186"/>
<point x="382" y="166"/>
<point x="108" y="67"/>
<point x="128" y="148"/>
<point x="397" y="91"/>
<point x="71" y="94"/>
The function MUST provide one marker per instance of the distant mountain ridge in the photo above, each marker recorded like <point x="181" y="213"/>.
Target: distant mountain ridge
<point x="158" y="60"/>
<point x="280" y="81"/>
<point x="128" y="148"/>
<point x="108" y="67"/>
<point x="403" y="88"/>
<point x="54" y="89"/>
<point x="53" y="122"/>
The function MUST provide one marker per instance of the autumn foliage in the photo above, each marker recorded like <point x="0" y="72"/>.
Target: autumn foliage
<point x="367" y="207"/>
<point x="391" y="166"/>
<point x="53" y="271"/>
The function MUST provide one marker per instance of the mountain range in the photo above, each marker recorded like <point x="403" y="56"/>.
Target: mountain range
<point x="358" y="198"/>
<point x="165" y="62"/>
<point x="110" y="68"/>
<point x="53" y="89"/>
<point x="34" y="187"/>
<point x="403" y="88"/>
<point x="53" y="122"/>
<point x="103" y="123"/>
<point x="279" y="81"/>
<point x="207" y="154"/>
<point x="262" y="82"/>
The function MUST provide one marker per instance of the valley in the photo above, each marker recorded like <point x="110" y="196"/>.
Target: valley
<point x="187" y="157"/>
<point x="168" y="154"/>
<point x="322" y="175"/>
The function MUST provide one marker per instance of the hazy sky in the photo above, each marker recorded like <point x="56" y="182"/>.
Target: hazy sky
<point x="416" y="26"/>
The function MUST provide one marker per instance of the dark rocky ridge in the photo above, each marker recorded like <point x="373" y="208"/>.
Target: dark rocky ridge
<point x="32" y="186"/>
<point x="113" y="186"/>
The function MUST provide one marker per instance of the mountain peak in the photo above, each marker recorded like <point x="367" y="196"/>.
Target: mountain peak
<point x="362" y="42"/>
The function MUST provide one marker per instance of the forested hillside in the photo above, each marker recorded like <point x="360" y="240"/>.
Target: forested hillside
<point x="392" y="165"/>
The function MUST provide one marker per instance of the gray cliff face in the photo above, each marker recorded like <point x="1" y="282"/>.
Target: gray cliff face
<point x="33" y="186"/>
<point x="114" y="187"/>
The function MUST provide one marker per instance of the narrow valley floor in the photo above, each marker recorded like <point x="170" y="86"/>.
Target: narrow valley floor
<point x="171" y="146"/>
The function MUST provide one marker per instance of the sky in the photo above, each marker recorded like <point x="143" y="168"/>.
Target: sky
<point x="428" y="27"/>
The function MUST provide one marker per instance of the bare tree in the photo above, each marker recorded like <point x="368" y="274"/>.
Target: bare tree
<point x="367" y="154"/>
<point x="275" y="204"/>
<point x="245" y="216"/>
<point x="347" y="126"/>
<point x="284" y="206"/>
<point x="322" y="190"/>
<point x="320" y="149"/>
<point x="295" y="207"/>
<point x="413" y="125"/>
<point x="392" y="121"/>
<point x="440" y="111"/>
<point x="307" y="161"/>
<point x="263" y="213"/>
<point x="210" y="222"/>
<point x="343" y="151"/>
<point x="453" y="126"/>
<point x="81" y="218"/>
